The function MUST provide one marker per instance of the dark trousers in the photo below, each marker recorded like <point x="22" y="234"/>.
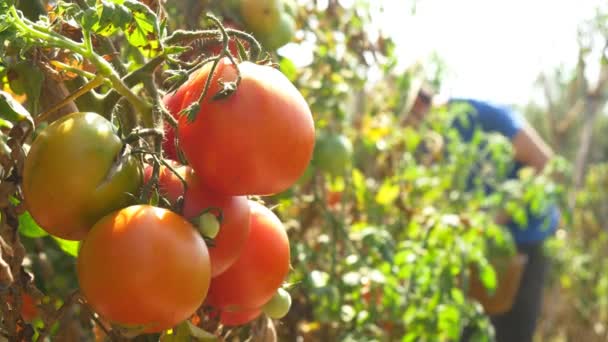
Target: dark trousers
<point x="519" y="323"/>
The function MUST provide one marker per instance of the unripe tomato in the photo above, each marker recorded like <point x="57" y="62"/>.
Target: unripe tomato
<point x="260" y="269"/>
<point x="261" y="16"/>
<point x="279" y="305"/>
<point x="333" y="153"/>
<point x="281" y="35"/>
<point x="257" y="141"/>
<point x="144" y="267"/>
<point x="234" y="228"/>
<point x="75" y="173"/>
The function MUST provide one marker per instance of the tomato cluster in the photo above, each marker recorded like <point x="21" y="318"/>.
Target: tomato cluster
<point x="150" y="266"/>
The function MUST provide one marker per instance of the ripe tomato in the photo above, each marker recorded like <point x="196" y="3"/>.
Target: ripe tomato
<point x="75" y="173"/>
<point x="234" y="318"/>
<point x="29" y="310"/>
<point x="258" y="141"/>
<point x="260" y="269"/>
<point x="144" y="266"/>
<point x="333" y="153"/>
<point x="234" y="228"/>
<point x="333" y="198"/>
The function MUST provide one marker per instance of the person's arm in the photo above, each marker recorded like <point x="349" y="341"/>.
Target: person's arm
<point x="530" y="149"/>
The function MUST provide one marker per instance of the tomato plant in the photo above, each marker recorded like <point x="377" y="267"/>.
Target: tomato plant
<point x="388" y="246"/>
<point x="76" y="172"/>
<point x="258" y="141"/>
<point x="144" y="267"/>
<point x="233" y="211"/>
<point x="258" y="272"/>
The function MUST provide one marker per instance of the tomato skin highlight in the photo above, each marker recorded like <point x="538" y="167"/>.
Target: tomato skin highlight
<point x="235" y="225"/>
<point x="71" y="178"/>
<point x="257" y="141"/>
<point x="144" y="266"/>
<point x="260" y="269"/>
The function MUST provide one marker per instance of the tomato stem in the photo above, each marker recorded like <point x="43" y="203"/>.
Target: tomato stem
<point x="79" y="72"/>
<point x="139" y="133"/>
<point x="227" y="88"/>
<point x="186" y="37"/>
<point x="94" y="83"/>
<point x="42" y="36"/>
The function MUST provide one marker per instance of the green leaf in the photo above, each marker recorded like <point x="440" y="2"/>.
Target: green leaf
<point x="28" y="227"/>
<point x="388" y="193"/>
<point x="488" y="277"/>
<point x="143" y="32"/>
<point x="29" y="81"/>
<point x="11" y="110"/>
<point x="69" y="247"/>
<point x="288" y="69"/>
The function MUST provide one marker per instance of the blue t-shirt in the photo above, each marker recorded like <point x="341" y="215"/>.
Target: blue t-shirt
<point x="490" y="117"/>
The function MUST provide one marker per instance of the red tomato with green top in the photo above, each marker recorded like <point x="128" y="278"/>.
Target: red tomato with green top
<point x="76" y="172"/>
<point x="257" y="141"/>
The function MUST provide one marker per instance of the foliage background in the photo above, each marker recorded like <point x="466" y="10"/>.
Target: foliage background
<point x="390" y="258"/>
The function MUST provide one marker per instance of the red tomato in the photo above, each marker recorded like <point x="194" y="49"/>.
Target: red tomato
<point x="234" y="318"/>
<point x="260" y="269"/>
<point x="333" y="198"/>
<point x="234" y="228"/>
<point x="258" y="141"/>
<point x="29" y="310"/>
<point x="173" y="103"/>
<point x="144" y="267"/>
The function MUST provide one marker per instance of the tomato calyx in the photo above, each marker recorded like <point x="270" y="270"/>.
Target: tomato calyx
<point x="208" y="222"/>
<point x="227" y="89"/>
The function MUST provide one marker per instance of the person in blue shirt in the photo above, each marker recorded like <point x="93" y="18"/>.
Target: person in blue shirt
<point x="519" y="323"/>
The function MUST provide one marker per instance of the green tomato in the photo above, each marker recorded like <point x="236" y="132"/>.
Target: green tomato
<point x="279" y="304"/>
<point x="333" y="154"/>
<point x="281" y="35"/>
<point x="261" y="16"/>
<point x="76" y="172"/>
